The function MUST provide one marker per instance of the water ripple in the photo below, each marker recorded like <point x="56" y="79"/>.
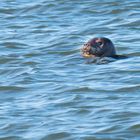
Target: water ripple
<point x="48" y="91"/>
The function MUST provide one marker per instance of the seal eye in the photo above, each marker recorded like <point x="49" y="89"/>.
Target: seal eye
<point x="99" y="43"/>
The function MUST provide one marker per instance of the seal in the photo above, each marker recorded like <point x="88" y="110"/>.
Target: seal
<point x="100" y="47"/>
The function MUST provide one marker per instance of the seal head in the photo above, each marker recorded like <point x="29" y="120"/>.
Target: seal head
<point x="99" y="47"/>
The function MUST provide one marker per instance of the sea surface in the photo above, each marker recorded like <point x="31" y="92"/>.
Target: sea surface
<point x="47" y="91"/>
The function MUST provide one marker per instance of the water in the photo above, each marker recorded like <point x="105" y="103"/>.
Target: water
<point x="47" y="91"/>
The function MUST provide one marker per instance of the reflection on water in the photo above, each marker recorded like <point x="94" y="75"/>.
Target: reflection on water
<point x="47" y="90"/>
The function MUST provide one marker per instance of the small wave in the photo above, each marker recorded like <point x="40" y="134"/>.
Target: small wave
<point x="12" y="88"/>
<point x="11" y="138"/>
<point x="56" y="136"/>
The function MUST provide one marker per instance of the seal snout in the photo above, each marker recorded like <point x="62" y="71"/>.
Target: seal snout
<point x="87" y="50"/>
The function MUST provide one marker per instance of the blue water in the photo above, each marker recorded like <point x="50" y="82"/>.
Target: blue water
<point x="47" y="91"/>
